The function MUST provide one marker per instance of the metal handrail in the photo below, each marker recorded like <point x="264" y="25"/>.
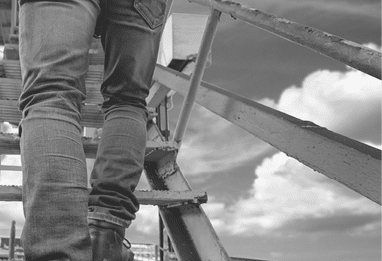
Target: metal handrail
<point x="345" y="51"/>
<point x="201" y="62"/>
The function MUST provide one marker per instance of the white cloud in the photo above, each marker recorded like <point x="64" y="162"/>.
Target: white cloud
<point x="146" y="220"/>
<point x="345" y="102"/>
<point x="214" y="144"/>
<point x="285" y="190"/>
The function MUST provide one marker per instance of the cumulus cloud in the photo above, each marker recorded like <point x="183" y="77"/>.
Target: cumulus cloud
<point x="345" y="102"/>
<point x="285" y="191"/>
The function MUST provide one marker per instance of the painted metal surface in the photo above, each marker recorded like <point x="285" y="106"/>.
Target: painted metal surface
<point x="201" y="62"/>
<point x="337" y="48"/>
<point x="190" y="230"/>
<point x="352" y="163"/>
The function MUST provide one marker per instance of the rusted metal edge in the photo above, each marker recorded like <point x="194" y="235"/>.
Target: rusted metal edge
<point x="350" y="162"/>
<point x="145" y="197"/>
<point x="355" y="55"/>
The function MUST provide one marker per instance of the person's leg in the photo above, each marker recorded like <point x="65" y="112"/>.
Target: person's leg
<point x="55" y="37"/>
<point x="130" y="37"/>
<point x="131" y="45"/>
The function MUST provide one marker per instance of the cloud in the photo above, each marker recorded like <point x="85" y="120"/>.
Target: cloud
<point x="345" y="102"/>
<point x="146" y="220"/>
<point x="213" y="144"/>
<point x="337" y="222"/>
<point x="289" y="197"/>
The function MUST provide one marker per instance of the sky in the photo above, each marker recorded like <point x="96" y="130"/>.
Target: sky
<point x="262" y="203"/>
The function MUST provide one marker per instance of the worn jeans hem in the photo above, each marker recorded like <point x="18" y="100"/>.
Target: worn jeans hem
<point x="109" y="218"/>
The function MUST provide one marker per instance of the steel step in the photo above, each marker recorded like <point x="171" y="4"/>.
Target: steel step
<point x="10" y="89"/>
<point x="96" y="54"/>
<point x="145" y="197"/>
<point x="11" y="70"/>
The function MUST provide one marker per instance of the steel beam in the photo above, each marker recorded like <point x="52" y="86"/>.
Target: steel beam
<point x="347" y="52"/>
<point x="352" y="163"/>
<point x="190" y="230"/>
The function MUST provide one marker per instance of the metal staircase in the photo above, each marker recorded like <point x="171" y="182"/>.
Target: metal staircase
<point x="354" y="164"/>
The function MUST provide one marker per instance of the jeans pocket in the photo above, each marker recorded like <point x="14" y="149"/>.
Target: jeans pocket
<point x="152" y="11"/>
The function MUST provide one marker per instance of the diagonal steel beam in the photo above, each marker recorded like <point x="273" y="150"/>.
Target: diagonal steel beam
<point x="191" y="232"/>
<point x="332" y="46"/>
<point x="352" y="163"/>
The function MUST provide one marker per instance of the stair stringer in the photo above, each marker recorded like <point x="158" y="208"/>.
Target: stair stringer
<point x="188" y="227"/>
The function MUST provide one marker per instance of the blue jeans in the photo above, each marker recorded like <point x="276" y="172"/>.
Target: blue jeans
<point x="55" y="37"/>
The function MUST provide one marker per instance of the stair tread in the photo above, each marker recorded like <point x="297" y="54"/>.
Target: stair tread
<point x="10" y="89"/>
<point x="12" y="70"/>
<point x="10" y="145"/>
<point x="96" y="54"/>
<point x="91" y="114"/>
<point x="145" y="197"/>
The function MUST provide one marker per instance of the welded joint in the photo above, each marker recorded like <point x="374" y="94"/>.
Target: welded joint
<point x="169" y="169"/>
<point x="197" y="201"/>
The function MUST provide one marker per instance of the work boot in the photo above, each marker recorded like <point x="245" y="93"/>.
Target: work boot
<point x="108" y="242"/>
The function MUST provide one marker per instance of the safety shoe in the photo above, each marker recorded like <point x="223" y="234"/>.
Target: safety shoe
<point x="108" y="242"/>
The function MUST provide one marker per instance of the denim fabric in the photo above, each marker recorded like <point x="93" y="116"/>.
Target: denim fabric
<point x="118" y="166"/>
<point x="55" y="37"/>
